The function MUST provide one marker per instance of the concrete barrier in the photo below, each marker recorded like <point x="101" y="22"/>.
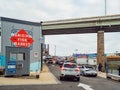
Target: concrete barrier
<point x="113" y="76"/>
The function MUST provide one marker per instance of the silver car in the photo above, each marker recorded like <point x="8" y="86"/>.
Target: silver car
<point x="88" y="71"/>
<point x="70" y="70"/>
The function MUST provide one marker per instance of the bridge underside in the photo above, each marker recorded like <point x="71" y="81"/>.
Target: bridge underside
<point x="112" y="28"/>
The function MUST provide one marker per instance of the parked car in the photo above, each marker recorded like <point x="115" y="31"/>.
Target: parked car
<point x="49" y="61"/>
<point x="72" y="61"/>
<point x="88" y="71"/>
<point x="67" y="61"/>
<point x="70" y="70"/>
<point x="60" y="62"/>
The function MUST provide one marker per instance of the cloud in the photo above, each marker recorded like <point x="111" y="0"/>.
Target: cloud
<point x="44" y="10"/>
<point x="113" y="6"/>
<point x="112" y="42"/>
<point x="68" y="43"/>
<point x="56" y="9"/>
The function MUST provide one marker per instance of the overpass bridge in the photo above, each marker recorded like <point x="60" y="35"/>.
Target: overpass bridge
<point x="109" y="23"/>
<point x="97" y="25"/>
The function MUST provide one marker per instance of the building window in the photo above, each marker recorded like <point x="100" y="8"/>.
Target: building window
<point x="17" y="56"/>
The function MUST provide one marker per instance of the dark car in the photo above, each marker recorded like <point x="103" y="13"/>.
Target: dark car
<point x="61" y="62"/>
<point x="67" y="61"/>
<point x="50" y="61"/>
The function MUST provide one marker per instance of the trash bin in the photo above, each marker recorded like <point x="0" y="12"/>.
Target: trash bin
<point x="37" y="76"/>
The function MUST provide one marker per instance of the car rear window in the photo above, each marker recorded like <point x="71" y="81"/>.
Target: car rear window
<point x="70" y="65"/>
<point x="89" y="67"/>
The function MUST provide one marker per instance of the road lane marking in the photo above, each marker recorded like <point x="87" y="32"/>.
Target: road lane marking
<point x="85" y="86"/>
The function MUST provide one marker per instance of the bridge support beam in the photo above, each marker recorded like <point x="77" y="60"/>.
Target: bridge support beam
<point x="100" y="49"/>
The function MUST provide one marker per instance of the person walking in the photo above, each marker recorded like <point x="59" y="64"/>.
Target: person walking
<point x="100" y="67"/>
<point x="119" y="70"/>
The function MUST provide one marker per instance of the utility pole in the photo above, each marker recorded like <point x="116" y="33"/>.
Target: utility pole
<point x="105" y="8"/>
<point x="76" y="55"/>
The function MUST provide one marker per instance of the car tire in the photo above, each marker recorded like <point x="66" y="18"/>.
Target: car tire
<point x="78" y="79"/>
<point x="61" y="78"/>
<point x="84" y="74"/>
<point x="95" y="75"/>
<point x="81" y="73"/>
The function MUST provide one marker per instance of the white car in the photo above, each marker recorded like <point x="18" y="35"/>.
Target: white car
<point x="70" y="70"/>
<point x="88" y="71"/>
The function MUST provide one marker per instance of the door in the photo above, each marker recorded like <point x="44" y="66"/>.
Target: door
<point x="17" y="61"/>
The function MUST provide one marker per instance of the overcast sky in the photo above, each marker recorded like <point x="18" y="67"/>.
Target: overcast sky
<point x="45" y="10"/>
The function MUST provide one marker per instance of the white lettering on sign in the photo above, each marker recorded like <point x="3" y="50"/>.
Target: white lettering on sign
<point x="11" y="66"/>
<point x="22" y="44"/>
<point x="22" y="39"/>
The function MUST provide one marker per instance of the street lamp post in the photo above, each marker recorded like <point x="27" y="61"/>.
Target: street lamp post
<point x="55" y="51"/>
<point x="116" y="53"/>
<point x="76" y="55"/>
<point x="105" y="8"/>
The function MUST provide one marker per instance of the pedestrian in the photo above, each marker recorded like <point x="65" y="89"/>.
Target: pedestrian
<point x="106" y="67"/>
<point x="100" y="67"/>
<point x="119" y="70"/>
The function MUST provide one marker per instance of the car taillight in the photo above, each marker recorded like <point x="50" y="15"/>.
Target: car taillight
<point x="77" y="69"/>
<point x="62" y="68"/>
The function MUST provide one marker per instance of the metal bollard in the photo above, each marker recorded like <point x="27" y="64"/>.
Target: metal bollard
<point x="37" y="74"/>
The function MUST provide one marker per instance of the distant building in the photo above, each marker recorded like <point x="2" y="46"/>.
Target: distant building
<point x="90" y="59"/>
<point x="113" y="62"/>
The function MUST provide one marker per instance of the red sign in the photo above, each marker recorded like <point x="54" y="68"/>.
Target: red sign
<point x="22" y="39"/>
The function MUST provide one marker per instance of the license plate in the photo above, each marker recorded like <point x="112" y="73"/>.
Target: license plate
<point x="69" y="70"/>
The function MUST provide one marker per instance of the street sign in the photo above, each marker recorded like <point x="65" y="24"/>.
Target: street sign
<point x="35" y="54"/>
<point x="11" y="67"/>
<point x="22" y="39"/>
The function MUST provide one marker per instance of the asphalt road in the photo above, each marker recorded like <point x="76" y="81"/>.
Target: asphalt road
<point x="86" y="83"/>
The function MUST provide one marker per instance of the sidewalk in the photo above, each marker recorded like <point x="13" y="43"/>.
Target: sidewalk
<point x="109" y="76"/>
<point x="46" y="77"/>
<point x="102" y="74"/>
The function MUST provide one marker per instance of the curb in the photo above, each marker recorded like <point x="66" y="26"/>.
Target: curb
<point x="53" y="76"/>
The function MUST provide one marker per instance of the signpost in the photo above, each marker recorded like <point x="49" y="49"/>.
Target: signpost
<point x="22" y="39"/>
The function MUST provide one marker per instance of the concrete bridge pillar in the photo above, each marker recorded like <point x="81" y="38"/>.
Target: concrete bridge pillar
<point x="100" y="49"/>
